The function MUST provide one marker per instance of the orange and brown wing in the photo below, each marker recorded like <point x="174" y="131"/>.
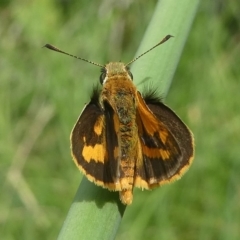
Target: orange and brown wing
<point x="92" y="143"/>
<point x="166" y="145"/>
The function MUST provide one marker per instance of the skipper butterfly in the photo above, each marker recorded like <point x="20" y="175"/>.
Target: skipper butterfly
<point x="123" y="140"/>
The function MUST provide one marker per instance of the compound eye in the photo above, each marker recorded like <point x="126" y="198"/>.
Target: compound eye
<point x="102" y="76"/>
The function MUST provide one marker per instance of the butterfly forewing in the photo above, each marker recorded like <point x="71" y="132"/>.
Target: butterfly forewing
<point x="93" y="143"/>
<point x="179" y="131"/>
<point x="161" y="154"/>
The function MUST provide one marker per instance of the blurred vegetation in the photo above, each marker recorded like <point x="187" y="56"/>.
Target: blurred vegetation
<point x="42" y="94"/>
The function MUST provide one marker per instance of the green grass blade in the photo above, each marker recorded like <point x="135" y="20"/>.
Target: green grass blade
<point x="96" y="213"/>
<point x="158" y="66"/>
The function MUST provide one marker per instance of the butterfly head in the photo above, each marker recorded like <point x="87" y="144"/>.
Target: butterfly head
<point x="115" y="70"/>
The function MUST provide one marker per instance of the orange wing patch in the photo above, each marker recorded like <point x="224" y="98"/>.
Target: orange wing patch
<point x="150" y="122"/>
<point x="95" y="153"/>
<point x="99" y="126"/>
<point x="155" y="152"/>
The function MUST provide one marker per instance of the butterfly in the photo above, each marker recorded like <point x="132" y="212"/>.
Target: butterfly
<point x="124" y="140"/>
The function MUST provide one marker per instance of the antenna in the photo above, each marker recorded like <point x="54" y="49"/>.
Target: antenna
<point x="51" y="47"/>
<point x="161" y="42"/>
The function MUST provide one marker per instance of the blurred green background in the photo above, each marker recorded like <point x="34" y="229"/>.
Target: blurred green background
<point x="42" y="93"/>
